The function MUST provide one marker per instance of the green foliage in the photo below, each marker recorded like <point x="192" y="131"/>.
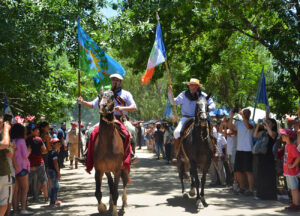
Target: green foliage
<point x="234" y="82"/>
<point x="150" y="99"/>
<point x="200" y="35"/>
<point x="30" y="31"/>
<point x="224" y="43"/>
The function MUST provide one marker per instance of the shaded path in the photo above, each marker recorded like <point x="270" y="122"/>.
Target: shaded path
<point x="155" y="191"/>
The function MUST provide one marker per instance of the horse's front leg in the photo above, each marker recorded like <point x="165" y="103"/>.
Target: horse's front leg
<point x="194" y="173"/>
<point x="115" y="197"/>
<point x="98" y="193"/>
<point x="203" y="180"/>
<point x="182" y="184"/>
<point x="193" y="186"/>
<point x="110" y="182"/>
<point x="124" y="176"/>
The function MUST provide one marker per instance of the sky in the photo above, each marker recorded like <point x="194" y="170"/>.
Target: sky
<point x="108" y="11"/>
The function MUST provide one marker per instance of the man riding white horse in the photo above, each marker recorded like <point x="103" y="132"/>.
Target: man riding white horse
<point x="187" y="99"/>
<point x="124" y="103"/>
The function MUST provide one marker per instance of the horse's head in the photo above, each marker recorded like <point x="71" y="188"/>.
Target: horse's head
<point x="201" y="115"/>
<point x="106" y="103"/>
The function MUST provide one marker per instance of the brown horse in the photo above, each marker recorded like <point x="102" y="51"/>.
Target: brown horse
<point x="197" y="151"/>
<point x="109" y="155"/>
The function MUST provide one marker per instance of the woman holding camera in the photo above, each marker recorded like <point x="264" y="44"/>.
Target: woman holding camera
<point x="266" y="175"/>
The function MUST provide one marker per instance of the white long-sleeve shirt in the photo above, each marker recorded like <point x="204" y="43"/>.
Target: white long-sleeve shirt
<point x="188" y="107"/>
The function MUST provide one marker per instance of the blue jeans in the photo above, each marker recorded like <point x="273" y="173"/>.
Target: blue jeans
<point x="55" y="185"/>
<point x="37" y="173"/>
<point x="159" y="148"/>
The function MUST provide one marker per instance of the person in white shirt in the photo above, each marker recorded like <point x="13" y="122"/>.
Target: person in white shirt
<point x="243" y="158"/>
<point x="187" y="99"/>
<point x="217" y="170"/>
<point x="167" y="142"/>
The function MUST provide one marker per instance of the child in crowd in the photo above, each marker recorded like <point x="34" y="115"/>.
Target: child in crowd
<point x="21" y="154"/>
<point x="53" y="171"/>
<point x="291" y="168"/>
<point x="37" y="175"/>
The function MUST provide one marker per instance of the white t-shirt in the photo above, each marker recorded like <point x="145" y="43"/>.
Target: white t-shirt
<point x="244" y="136"/>
<point x="221" y="142"/>
<point x="215" y="132"/>
<point x="167" y="134"/>
<point x="229" y="144"/>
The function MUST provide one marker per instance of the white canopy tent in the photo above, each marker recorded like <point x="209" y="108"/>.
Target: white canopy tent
<point x="259" y="114"/>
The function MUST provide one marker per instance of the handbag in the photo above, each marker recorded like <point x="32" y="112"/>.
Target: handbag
<point x="261" y="145"/>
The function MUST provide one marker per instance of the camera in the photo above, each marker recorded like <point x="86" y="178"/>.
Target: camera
<point x="236" y="110"/>
<point x="260" y="120"/>
<point x="7" y="118"/>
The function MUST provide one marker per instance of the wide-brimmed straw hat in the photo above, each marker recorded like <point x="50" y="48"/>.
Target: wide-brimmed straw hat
<point x="194" y="82"/>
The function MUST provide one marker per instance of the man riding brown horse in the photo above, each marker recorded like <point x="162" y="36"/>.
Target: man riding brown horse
<point x="187" y="99"/>
<point x="124" y="103"/>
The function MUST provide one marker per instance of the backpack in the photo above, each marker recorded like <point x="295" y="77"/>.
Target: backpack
<point x="261" y="145"/>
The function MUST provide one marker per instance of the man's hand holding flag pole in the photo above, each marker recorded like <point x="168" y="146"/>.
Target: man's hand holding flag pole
<point x="158" y="56"/>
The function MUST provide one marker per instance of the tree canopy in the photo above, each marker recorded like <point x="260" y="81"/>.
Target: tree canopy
<point x="224" y="43"/>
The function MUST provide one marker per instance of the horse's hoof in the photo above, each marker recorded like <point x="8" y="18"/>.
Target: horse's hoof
<point x="192" y="192"/>
<point x="204" y="202"/>
<point x="185" y="195"/>
<point x="199" y="205"/>
<point x="101" y="208"/>
<point x="114" y="211"/>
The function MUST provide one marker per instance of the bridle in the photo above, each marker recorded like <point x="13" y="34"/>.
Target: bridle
<point x="104" y="114"/>
<point x="199" y="121"/>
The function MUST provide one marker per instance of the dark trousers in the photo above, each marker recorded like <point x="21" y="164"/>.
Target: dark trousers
<point x="61" y="157"/>
<point x="168" y="148"/>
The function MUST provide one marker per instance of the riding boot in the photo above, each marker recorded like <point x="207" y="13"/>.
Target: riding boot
<point x="76" y="164"/>
<point x="176" y="143"/>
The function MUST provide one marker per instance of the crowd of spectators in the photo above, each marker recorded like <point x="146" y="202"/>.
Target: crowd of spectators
<point x="257" y="158"/>
<point x="264" y="175"/>
<point x="31" y="156"/>
<point x="157" y="137"/>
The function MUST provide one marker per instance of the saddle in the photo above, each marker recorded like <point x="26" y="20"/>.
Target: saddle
<point x="118" y="127"/>
<point x="187" y="126"/>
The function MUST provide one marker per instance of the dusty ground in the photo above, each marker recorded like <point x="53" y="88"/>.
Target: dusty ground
<point x="155" y="192"/>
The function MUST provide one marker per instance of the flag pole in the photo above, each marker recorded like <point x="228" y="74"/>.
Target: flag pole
<point x="259" y="86"/>
<point x="169" y="79"/>
<point x="79" y="95"/>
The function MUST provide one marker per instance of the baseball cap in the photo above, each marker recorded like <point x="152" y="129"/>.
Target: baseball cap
<point x="118" y="76"/>
<point x="287" y="132"/>
<point x="54" y="140"/>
